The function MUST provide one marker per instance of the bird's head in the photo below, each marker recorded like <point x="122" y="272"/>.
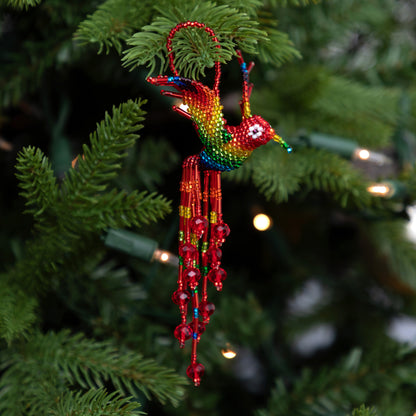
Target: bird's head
<point x="258" y="131"/>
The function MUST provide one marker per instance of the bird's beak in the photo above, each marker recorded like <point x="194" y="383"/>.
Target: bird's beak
<point x="277" y="138"/>
<point x="282" y="143"/>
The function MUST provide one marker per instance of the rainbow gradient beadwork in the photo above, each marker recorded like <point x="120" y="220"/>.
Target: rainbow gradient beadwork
<point x="202" y="230"/>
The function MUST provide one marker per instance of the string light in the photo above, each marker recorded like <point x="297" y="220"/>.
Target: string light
<point x="262" y="222"/>
<point x="138" y="246"/>
<point x="384" y="190"/>
<point x="228" y="352"/>
<point x="388" y="189"/>
<point x="370" y="156"/>
<point x="344" y="147"/>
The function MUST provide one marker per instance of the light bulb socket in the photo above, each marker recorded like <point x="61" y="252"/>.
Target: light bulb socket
<point x="130" y="243"/>
<point x="334" y="144"/>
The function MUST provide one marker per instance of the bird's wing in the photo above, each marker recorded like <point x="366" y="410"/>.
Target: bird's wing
<point x="199" y="103"/>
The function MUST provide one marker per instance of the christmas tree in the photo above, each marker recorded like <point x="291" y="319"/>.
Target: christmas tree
<point x="316" y="315"/>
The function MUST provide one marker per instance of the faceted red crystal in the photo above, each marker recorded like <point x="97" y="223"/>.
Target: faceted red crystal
<point x="188" y="252"/>
<point x="217" y="277"/>
<point x="182" y="333"/>
<point x="201" y="328"/>
<point x="181" y="297"/>
<point x="221" y="231"/>
<point x="195" y="371"/>
<point x="214" y="255"/>
<point x="198" y="225"/>
<point x="206" y="309"/>
<point x="191" y="275"/>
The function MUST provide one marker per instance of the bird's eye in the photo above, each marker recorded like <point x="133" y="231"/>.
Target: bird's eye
<point x="255" y="131"/>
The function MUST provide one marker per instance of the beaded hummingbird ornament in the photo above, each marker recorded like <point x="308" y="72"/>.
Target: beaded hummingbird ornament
<point x="202" y="230"/>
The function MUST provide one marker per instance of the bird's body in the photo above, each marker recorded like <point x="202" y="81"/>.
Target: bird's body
<point x="224" y="147"/>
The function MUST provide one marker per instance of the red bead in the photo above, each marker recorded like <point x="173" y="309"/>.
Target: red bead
<point x="182" y="333"/>
<point x="217" y="277"/>
<point x="201" y="328"/>
<point x="191" y="276"/>
<point x="181" y="297"/>
<point x="195" y="371"/>
<point x="188" y="252"/>
<point x="221" y="231"/>
<point x="198" y="225"/>
<point x="206" y="309"/>
<point x="214" y="255"/>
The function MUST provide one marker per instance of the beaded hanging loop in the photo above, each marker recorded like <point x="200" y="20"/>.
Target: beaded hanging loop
<point x="202" y="230"/>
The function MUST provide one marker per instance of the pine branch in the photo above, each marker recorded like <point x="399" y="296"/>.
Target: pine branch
<point x="108" y="144"/>
<point x="310" y="98"/>
<point x="113" y="23"/>
<point x="193" y="48"/>
<point x="338" y="390"/>
<point x="275" y="173"/>
<point x="90" y="364"/>
<point x="83" y="187"/>
<point x="82" y="210"/>
<point x="278" y="175"/>
<point x="28" y="387"/>
<point x="364" y="411"/>
<point x="278" y="49"/>
<point x="20" y="4"/>
<point x="38" y="41"/>
<point x="149" y="166"/>
<point x="328" y="172"/>
<point x="367" y="114"/>
<point x="94" y="403"/>
<point x="254" y="327"/>
<point x="394" y="248"/>
<point x="78" y="361"/>
<point x="16" y="83"/>
<point x="55" y="251"/>
<point x="31" y="386"/>
<point x="250" y="7"/>
<point x="287" y="3"/>
<point x="17" y="312"/>
<point x="37" y="180"/>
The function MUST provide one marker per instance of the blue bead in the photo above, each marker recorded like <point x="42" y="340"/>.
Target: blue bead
<point x="195" y="335"/>
<point x="170" y="79"/>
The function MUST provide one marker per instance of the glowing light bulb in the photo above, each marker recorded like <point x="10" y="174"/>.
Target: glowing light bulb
<point x="166" y="257"/>
<point x="262" y="222"/>
<point x="363" y="154"/>
<point x="381" y="189"/>
<point x="228" y="352"/>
